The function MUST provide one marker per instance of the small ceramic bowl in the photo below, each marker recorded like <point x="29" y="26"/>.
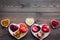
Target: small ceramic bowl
<point x="11" y="32"/>
<point x="35" y="33"/>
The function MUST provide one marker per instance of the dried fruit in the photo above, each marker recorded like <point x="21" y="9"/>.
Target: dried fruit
<point x="13" y="27"/>
<point x="5" y="22"/>
<point x="54" y="23"/>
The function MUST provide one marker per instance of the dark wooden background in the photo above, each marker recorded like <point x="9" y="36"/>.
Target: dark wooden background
<point x="20" y="17"/>
<point x="30" y="5"/>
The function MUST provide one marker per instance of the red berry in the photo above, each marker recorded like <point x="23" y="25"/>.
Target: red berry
<point x="13" y="27"/>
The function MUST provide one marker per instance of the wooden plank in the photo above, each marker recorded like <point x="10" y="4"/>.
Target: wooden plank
<point x="20" y="17"/>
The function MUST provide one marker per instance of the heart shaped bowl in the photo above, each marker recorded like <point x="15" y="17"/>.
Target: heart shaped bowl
<point x="35" y="33"/>
<point x="29" y="21"/>
<point x="20" y="34"/>
<point x="5" y="22"/>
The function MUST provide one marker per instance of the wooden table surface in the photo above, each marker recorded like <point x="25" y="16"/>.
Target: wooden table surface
<point x="20" y="17"/>
<point x="30" y="5"/>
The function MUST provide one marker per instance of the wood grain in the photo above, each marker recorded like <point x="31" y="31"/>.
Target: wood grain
<point x="20" y="17"/>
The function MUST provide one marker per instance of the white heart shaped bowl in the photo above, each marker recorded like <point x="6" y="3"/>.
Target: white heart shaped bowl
<point x="35" y="34"/>
<point x="11" y="32"/>
<point x="29" y="21"/>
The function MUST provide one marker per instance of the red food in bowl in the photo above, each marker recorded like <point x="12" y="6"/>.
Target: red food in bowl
<point x="23" y="28"/>
<point x="54" y="23"/>
<point x="45" y="28"/>
<point x="35" y="28"/>
<point x="13" y="28"/>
